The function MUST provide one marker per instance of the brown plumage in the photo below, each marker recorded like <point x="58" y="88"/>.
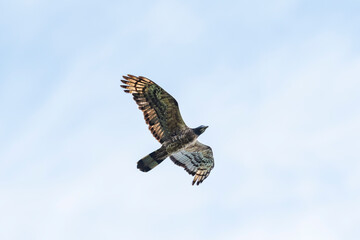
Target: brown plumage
<point x="161" y="113"/>
<point x="196" y="159"/>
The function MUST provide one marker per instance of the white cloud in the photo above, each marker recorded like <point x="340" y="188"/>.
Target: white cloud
<point x="292" y="147"/>
<point x="284" y="130"/>
<point x="169" y="22"/>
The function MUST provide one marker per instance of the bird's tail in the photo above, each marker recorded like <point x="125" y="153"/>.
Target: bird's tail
<point x="152" y="160"/>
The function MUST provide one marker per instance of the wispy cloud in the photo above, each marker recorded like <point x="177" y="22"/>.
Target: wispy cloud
<point x="281" y="107"/>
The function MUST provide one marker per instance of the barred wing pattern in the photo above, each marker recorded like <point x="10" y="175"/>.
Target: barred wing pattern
<point x="197" y="160"/>
<point x="161" y="111"/>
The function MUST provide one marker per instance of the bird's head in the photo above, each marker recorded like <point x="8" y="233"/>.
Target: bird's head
<point x="200" y="130"/>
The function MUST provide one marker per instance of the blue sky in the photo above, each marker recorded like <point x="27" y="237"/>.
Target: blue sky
<point x="276" y="81"/>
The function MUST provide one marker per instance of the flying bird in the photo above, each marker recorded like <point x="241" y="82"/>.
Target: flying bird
<point x="178" y="141"/>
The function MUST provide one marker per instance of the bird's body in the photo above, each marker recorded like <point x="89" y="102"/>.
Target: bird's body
<point x="179" y="142"/>
<point x="183" y="139"/>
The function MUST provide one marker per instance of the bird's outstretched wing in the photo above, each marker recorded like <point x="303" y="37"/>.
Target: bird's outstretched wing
<point x="161" y="111"/>
<point x="197" y="160"/>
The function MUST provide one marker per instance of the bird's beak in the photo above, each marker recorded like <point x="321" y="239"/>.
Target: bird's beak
<point x="206" y="127"/>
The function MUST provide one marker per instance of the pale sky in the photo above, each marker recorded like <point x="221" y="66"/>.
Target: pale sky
<point x="277" y="82"/>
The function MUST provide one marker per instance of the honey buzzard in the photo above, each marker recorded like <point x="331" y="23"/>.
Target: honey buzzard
<point x="179" y="142"/>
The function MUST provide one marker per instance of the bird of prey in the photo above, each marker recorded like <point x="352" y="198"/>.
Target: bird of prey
<point x="179" y="142"/>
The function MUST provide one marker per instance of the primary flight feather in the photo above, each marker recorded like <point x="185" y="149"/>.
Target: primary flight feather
<point x="179" y="142"/>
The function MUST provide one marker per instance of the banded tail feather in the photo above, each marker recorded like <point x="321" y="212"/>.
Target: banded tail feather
<point x="152" y="160"/>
